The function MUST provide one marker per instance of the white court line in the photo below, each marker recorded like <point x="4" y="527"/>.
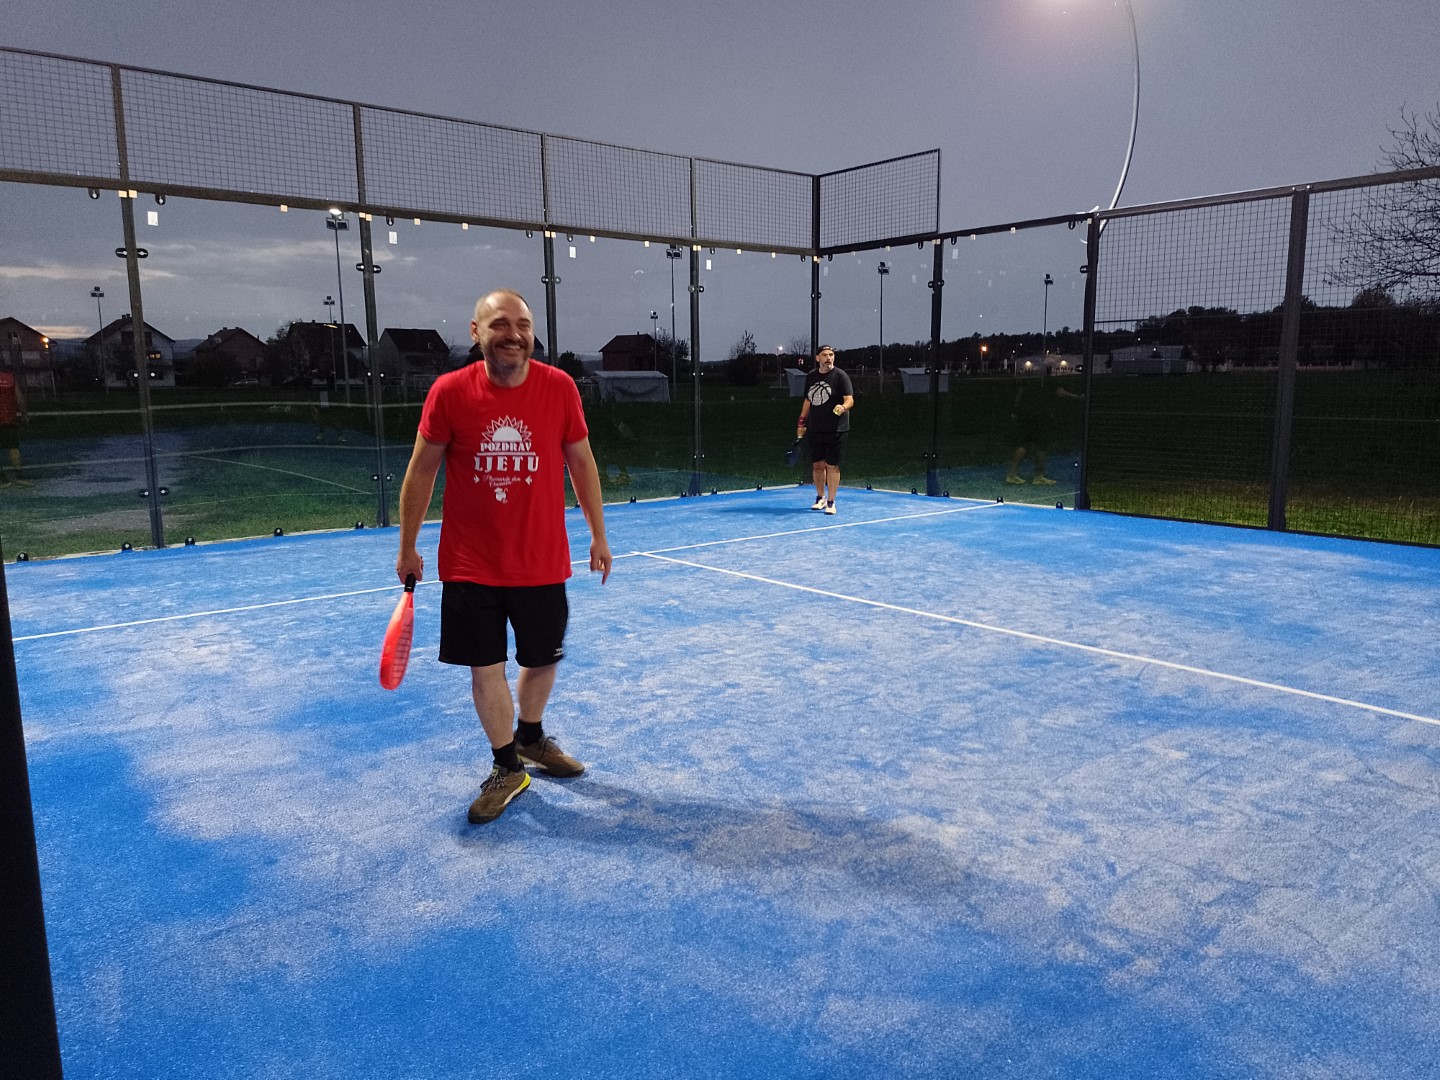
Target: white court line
<point x="806" y="531"/>
<point x="390" y="588"/>
<point x="206" y="614"/>
<point x="1113" y="654"/>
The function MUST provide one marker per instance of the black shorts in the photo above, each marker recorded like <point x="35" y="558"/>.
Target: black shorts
<point x="473" y="618"/>
<point x="828" y="447"/>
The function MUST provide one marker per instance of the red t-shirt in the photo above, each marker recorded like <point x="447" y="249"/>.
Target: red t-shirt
<point x="504" y="505"/>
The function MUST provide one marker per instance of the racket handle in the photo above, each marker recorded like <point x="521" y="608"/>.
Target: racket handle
<point x="409" y="582"/>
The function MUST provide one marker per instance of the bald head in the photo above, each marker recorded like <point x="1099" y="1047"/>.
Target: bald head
<point x="505" y="331"/>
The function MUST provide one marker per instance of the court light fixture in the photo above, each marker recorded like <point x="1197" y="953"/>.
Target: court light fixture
<point x="94" y="193"/>
<point x="389" y="219"/>
<point x="159" y="199"/>
<point x="284" y="208"/>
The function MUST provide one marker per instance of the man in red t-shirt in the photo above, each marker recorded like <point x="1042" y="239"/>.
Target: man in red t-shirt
<point x="506" y="429"/>
<point x="12" y="411"/>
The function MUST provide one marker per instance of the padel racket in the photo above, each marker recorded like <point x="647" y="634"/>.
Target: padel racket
<point x="793" y="454"/>
<point x="395" y="653"/>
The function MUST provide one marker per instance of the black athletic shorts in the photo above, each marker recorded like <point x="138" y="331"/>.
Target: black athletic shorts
<point x="828" y="447"/>
<point x="473" y="618"/>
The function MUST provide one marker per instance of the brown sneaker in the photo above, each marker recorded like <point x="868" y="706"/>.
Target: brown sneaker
<point x="496" y="793"/>
<point x="547" y="756"/>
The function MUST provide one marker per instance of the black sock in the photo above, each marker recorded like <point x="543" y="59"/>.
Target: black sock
<point x="528" y="733"/>
<point x="506" y="757"/>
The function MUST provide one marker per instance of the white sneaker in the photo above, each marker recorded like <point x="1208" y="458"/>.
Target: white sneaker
<point x="829" y="508"/>
<point x="819" y="503"/>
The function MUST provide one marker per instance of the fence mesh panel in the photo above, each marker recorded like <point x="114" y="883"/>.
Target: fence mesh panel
<point x="192" y="133"/>
<point x="616" y="189"/>
<point x="455" y="167"/>
<point x="1187" y="335"/>
<point x="886" y="199"/>
<point x="1366" y="442"/>
<point x="752" y="207"/>
<point x="58" y="117"/>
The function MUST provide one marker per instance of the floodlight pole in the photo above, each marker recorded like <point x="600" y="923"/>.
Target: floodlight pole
<point x="1045" y="321"/>
<point x="884" y="270"/>
<point x="336" y="223"/>
<point x="97" y="296"/>
<point x="330" y="320"/>
<point x="1134" y="105"/>
<point x="672" y="253"/>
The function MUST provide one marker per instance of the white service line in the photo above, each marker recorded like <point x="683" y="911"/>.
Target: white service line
<point x="205" y="614"/>
<point x="1096" y="650"/>
<point x="390" y="588"/>
<point x="803" y="532"/>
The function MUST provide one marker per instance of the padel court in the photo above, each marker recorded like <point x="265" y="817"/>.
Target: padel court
<point x="931" y="788"/>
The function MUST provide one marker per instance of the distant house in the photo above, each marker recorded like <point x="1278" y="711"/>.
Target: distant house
<point x="229" y="356"/>
<point x="322" y="352"/>
<point x="115" y="345"/>
<point x="411" y="359"/>
<point x="26" y="351"/>
<point x="629" y="352"/>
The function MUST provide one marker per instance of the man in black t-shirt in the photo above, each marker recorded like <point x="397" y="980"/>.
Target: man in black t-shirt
<point x="825" y="415"/>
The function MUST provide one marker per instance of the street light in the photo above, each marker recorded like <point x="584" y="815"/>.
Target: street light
<point x="884" y="270"/>
<point x="672" y="253"/>
<point x="983" y="350"/>
<point x="1045" y="318"/>
<point x="97" y="296"/>
<point x="330" y="321"/>
<point x="654" y="332"/>
<point x="337" y="224"/>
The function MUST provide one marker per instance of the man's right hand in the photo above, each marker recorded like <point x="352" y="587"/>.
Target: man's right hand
<point x="410" y="562"/>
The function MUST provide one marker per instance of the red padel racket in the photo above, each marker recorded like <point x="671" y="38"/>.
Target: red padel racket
<point x="395" y="653"/>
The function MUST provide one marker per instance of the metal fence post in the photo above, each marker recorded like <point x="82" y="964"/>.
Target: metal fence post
<point x="937" y="307"/>
<point x="1091" y="269"/>
<point x="1289" y="355"/>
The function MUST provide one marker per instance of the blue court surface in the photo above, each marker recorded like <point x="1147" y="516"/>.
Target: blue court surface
<point x="931" y="788"/>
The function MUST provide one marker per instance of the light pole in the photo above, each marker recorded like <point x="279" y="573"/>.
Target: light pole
<point x="983" y="350"/>
<point x="337" y="224"/>
<point x="1134" y="105"/>
<point x="672" y="253"/>
<point x="654" y="356"/>
<point x="1045" y="318"/>
<point x="330" y="321"/>
<point x="97" y="296"/>
<point x="883" y="270"/>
